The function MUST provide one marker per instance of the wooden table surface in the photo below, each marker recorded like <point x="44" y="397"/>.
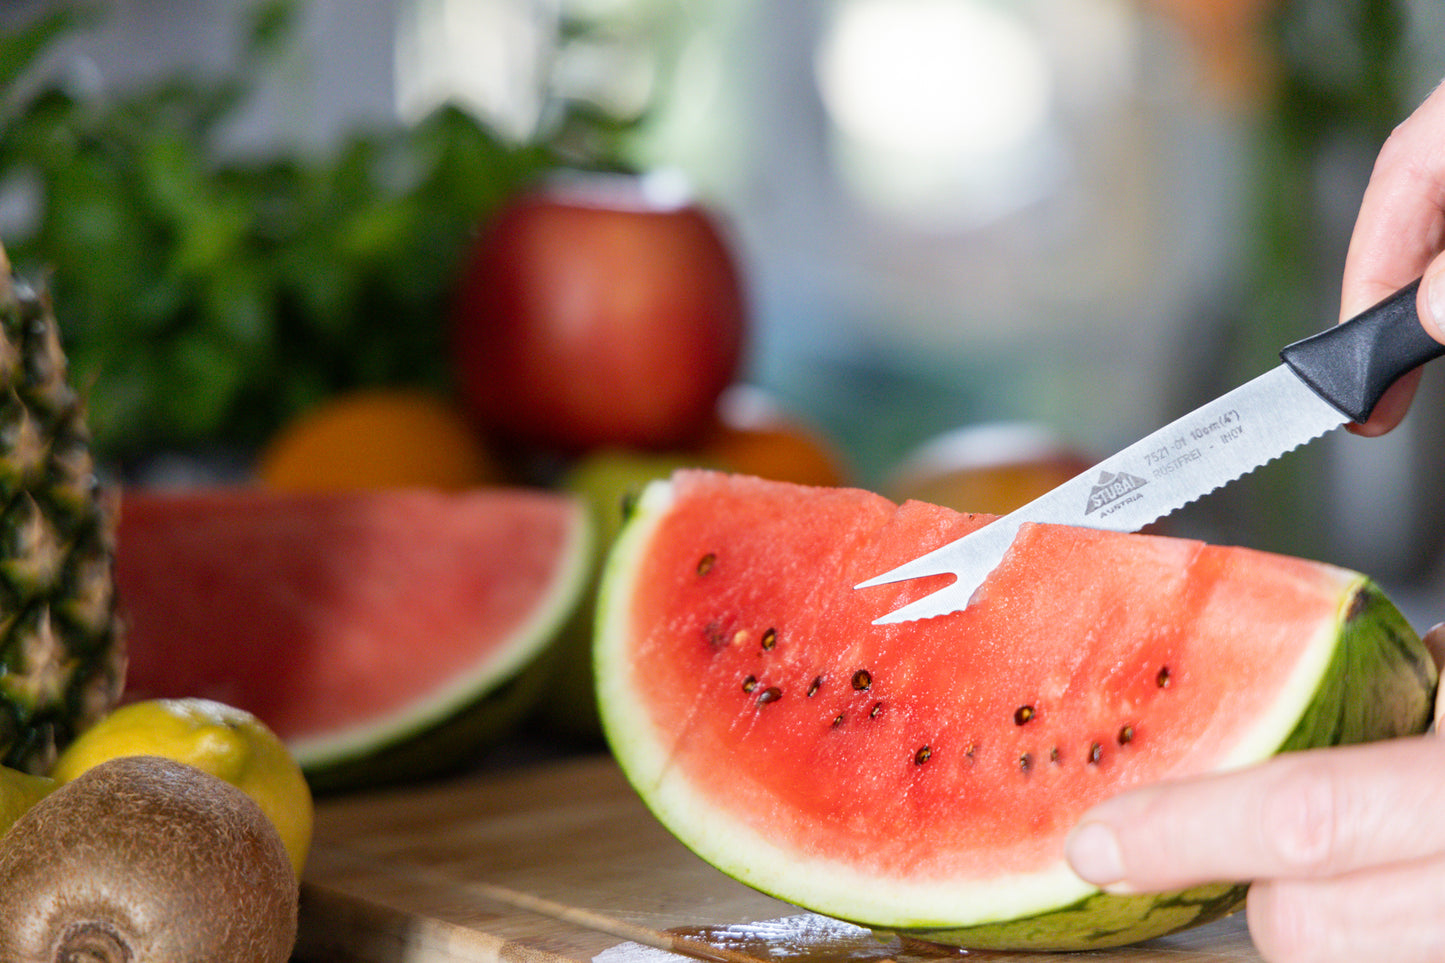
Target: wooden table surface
<point x="561" y="862"/>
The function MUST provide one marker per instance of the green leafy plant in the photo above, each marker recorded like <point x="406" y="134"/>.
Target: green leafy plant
<point x="205" y="297"/>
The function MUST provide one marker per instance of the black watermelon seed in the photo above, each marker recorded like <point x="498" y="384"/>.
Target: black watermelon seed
<point x="771" y="694"/>
<point x="1023" y="714"/>
<point x="1126" y="735"/>
<point x="817" y="684"/>
<point x="705" y="564"/>
<point x="922" y="755"/>
<point x="862" y="679"/>
<point x="1096" y="752"/>
<point x="770" y="639"/>
<point x="1162" y="679"/>
<point x="1026" y="762"/>
<point x="750" y="683"/>
<point x="876" y="711"/>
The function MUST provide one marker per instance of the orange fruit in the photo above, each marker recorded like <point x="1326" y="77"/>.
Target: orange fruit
<point x="378" y="438"/>
<point x="992" y="468"/>
<point x="755" y="435"/>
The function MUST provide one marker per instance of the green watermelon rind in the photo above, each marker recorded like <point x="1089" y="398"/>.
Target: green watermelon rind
<point x="437" y="748"/>
<point x="1371" y="648"/>
<point x="1100" y="921"/>
<point x="427" y="738"/>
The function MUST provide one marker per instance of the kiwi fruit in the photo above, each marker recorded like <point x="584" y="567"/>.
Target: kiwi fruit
<point x="143" y="860"/>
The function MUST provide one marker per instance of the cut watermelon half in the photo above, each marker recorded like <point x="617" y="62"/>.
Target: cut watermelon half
<point x="922" y="777"/>
<point x="382" y="634"/>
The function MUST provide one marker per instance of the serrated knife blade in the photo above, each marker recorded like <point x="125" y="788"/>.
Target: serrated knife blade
<point x="1326" y="381"/>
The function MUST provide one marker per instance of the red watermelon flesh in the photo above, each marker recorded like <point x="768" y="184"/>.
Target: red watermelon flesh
<point x="345" y="621"/>
<point x="923" y="776"/>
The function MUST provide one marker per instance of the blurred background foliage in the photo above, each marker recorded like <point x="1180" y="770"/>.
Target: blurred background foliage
<point x="208" y="294"/>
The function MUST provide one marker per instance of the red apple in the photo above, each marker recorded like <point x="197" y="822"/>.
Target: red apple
<point x="593" y="311"/>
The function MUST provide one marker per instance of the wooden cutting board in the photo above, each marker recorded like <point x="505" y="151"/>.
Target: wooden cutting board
<point x="561" y="862"/>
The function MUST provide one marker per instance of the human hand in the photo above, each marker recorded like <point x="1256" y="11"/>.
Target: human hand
<point x="1399" y="235"/>
<point x="1345" y="847"/>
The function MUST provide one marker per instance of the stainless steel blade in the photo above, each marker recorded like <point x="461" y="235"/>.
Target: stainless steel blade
<point x="1192" y="456"/>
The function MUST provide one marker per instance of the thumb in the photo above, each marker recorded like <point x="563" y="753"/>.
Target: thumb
<point x="1435" y="643"/>
<point x="1431" y="301"/>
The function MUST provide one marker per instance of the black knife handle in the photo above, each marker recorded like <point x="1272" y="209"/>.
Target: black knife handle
<point x="1352" y="364"/>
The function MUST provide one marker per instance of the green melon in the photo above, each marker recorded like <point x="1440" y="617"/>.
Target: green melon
<point x="921" y="778"/>
<point x="384" y="635"/>
<point x="607" y="481"/>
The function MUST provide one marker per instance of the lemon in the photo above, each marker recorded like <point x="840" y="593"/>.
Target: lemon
<point x="18" y="792"/>
<point x="222" y="740"/>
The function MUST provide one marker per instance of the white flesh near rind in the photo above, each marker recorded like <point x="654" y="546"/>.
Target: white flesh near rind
<point x="461" y="691"/>
<point x="1275" y="725"/>
<point x="833" y="888"/>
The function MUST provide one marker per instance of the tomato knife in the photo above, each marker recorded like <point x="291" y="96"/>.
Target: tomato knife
<point x="1325" y="381"/>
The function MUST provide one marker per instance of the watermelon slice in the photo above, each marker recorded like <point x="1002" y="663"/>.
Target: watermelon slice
<point x="382" y="634"/>
<point x="922" y="777"/>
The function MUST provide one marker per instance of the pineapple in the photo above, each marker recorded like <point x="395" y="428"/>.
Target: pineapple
<point x="62" y="656"/>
